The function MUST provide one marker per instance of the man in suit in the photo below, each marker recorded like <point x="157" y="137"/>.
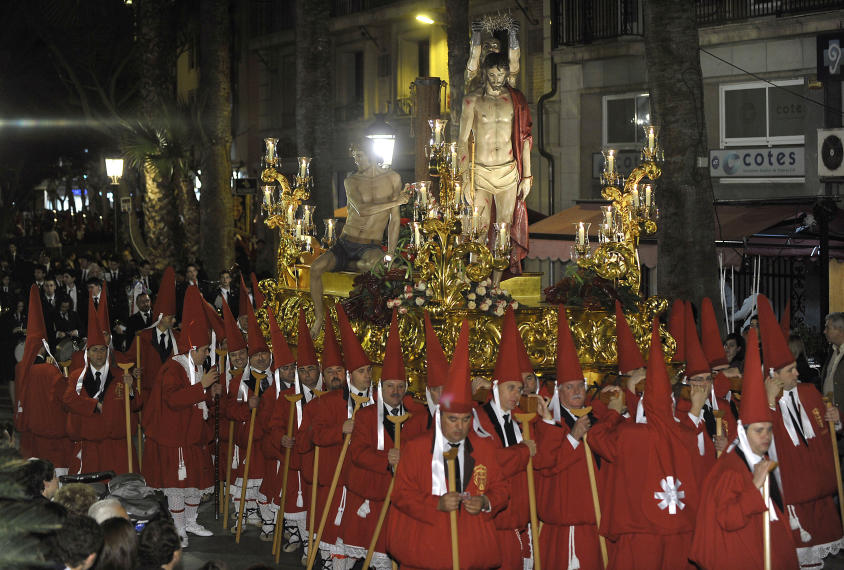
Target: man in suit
<point x="832" y="374"/>
<point x="66" y="322"/>
<point x="145" y="276"/>
<point x="225" y="293"/>
<point x="71" y="291"/>
<point x="143" y="318"/>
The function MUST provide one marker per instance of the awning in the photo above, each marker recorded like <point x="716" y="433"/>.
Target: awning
<point x="747" y="229"/>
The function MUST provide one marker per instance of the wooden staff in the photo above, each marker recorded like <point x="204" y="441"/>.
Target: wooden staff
<point x="397" y="421"/>
<point x="593" y="485"/>
<point x="314" y="486"/>
<point x="65" y="367"/>
<point x="229" y="453"/>
<point x="719" y="426"/>
<point x="259" y="376"/>
<point x="524" y="420"/>
<point x="221" y="359"/>
<point x="127" y="413"/>
<point x="279" y="516"/>
<point x="359" y="400"/>
<point x="766" y="521"/>
<point x="449" y="457"/>
<point x="140" y="433"/>
<point x="835" y="457"/>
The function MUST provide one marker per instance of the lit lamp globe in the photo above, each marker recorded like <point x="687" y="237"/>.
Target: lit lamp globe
<point x="383" y="138"/>
<point x="114" y="169"/>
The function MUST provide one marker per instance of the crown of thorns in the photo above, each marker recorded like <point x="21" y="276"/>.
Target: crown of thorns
<point x="498" y="21"/>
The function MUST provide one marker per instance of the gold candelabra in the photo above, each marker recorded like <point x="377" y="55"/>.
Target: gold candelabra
<point x="631" y="214"/>
<point x="281" y="203"/>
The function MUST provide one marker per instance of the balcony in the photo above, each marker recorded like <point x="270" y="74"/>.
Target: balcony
<point x="577" y="22"/>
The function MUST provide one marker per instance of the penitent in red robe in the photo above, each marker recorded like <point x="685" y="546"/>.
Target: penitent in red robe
<point x="175" y="429"/>
<point x="370" y="475"/>
<point x="44" y="419"/>
<point x="418" y="534"/>
<point x="564" y="495"/>
<point x="728" y="533"/>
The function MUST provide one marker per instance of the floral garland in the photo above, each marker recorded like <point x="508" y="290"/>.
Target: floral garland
<point x="488" y="299"/>
<point x="581" y="287"/>
<point x="415" y="297"/>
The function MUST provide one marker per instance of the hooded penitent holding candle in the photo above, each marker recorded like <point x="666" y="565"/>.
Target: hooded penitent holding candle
<point x="803" y="449"/>
<point x="422" y="481"/>
<point x="728" y="532"/>
<point x="631" y="365"/>
<point x="177" y="455"/>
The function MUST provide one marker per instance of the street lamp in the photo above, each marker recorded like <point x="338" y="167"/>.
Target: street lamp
<point x="383" y="138"/>
<point x="114" y="169"/>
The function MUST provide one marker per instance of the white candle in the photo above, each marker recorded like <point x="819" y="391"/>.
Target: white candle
<point x="581" y="233"/>
<point x="611" y="162"/>
<point x="648" y="191"/>
<point x="634" y="196"/>
<point x="476" y="217"/>
<point x="291" y="214"/>
<point x="651" y="142"/>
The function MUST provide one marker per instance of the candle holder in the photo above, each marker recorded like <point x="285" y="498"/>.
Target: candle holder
<point x="423" y="198"/>
<point x="303" y="177"/>
<point x="610" y="175"/>
<point x="645" y="209"/>
<point x="270" y="152"/>
<point x="308" y="219"/>
<point x="268" y="204"/>
<point x="607" y="230"/>
<point x="651" y="151"/>
<point x="501" y="245"/>
<point x="329" y="238"/>
<point x="417" y="236"/>
<point x="581" y="240"/>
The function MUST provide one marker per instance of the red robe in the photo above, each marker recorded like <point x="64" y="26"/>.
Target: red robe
<point x="808" y="476"/>
<point x="511" y="522"/>
<point x="273" y="414"/>
<point x="174" y="426"/>
<point x="151" y="361"/>
<point x="100" y="436"/>
<point x="707" y="461"/>
<point x="370" y="475"/>
<point x="327" y="415"/>
<point x="44" y="417"/>
<point x="242" y="415"/>
<point x="521" y="132"/>
<point x="728" y="533"/>
<point x="564" y="495"/>
<point x="418" y="534"/>
<point x="645" y="536"/>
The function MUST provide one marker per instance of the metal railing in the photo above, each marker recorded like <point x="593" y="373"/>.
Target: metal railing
<point x="576" y="22"/>
<point x="346" y="7"/>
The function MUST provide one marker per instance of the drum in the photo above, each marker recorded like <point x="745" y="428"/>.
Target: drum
<point x="19" y="347"/>
<point x="65" y="349"/>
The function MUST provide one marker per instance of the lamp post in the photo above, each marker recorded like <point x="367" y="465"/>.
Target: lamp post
<point x="114" y="170"/>
<point x="383" y="138"/>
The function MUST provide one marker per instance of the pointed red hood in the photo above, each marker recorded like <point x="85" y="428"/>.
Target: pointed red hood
<point x="754" y="400"/>
<point x="255" y="337"/>
<point x="435" y="359"/>
<point x="282" y="355"/>
<point x="305" y="351"/>
<point x="711" y="335"/>
<point x="257" y="294"/>
<point x="165" y="299"/>
<point x="677" y="328"/>
<point x="354" y="356"/>
<point x="629" y="355"/>
<point x="507" y="368"/>
<point x="457" y="391"/>
<point x="568" y="363"/>
<point x="775" y="349"/>
<point x="331" y="353"/>
<point x="393" y="367"/>
<point x="696" y="362"/>
<point x="234" y="338"/>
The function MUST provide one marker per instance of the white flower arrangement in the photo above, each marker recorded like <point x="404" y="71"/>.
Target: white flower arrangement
<point x="416" y="295"/>
<point x="491" y="300"/>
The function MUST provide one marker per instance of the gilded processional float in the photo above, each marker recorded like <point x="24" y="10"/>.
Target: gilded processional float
<point x="454" y="255"/>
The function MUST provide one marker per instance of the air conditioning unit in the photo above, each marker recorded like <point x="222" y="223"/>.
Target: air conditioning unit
<point x="831" y="153"/>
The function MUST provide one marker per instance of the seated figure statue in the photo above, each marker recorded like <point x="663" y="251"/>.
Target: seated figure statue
<point x="374" y="196"/>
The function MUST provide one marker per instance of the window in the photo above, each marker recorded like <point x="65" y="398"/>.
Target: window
<point x="624" y="116"/>
<point x="762" y="113"/>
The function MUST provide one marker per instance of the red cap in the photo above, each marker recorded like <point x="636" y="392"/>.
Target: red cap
<point x="165" y="299"/>
<point x="677" y="328"/>
<point x="234" y="338"/>
<point x="243" y="299"/>
<point x="35" y="327"/>
<point x="568" y="363"/>
<point x="214" y="320"/>
<point x="305" y="351"/>
<point x="657" y="395"/>
<point x="629" y="355"/>
<point x="393" y="367"/>
<point x="774" y="345"/>
<point x="507" y="367"/>
<point x="331" y="353"/>
<point x="785" y="321"/>
<point x="457" y="391"/>
<point x="696" y="362"/>
<point x="194" y="322"/>
<point x="711" y="336"/>
<point x="254" y="337"/>
<point x="353" y="355"/>
<point x="257" y="294"/>
<point x="95" y="327"/>
<point x="435" y="360"/>
<point x="282" y="355"/>
<point x="102" y="309"/>
<point x="754" y="400"/>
